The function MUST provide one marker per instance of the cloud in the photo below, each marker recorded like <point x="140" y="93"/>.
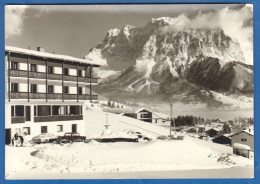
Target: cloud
<point x="14" y="17"/>
<point x="236" y="23"/>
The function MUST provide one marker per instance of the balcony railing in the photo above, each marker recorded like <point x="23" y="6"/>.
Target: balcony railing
<point x="40" y="75"/>
<point x="58" y="118"/>
<point x="53" y="96"/>
<point x="18" y="119"/>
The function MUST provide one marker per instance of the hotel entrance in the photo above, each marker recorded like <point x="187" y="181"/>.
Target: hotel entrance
<point x="8" y="136"/>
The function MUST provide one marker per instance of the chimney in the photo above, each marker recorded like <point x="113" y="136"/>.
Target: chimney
<point x="40" y="49"/>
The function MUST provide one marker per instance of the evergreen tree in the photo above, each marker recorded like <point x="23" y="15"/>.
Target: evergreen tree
<point x="226" y="129"/>
<point x="113" y="104"/>
<point x="109" y="103"/>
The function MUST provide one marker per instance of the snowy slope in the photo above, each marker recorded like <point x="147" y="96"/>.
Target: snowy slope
<point x="97" y="119"/>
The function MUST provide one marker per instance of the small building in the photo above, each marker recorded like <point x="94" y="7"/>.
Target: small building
<point x="137" y="113"/>
<point x="243" y="150"/>
<point x="245" y="137"/>
<point x="213" y="132"/>
<point x="201" y="128"/>
<point x="222" y="139"/>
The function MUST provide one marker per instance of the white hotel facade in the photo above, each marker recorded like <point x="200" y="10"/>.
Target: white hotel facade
<point x="45" y="92"/>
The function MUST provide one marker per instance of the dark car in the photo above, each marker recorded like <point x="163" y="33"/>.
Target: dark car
<point x="71" y="137"/>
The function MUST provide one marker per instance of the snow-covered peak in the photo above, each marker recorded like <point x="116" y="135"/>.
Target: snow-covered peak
<point x="127" y="26"/>
<point x="126" y="29"/>
<point x="113" y="32"/>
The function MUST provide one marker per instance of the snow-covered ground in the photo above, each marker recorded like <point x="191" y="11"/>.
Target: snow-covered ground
<point x="96" y="120"/>
<point x="44" y="160"/>
<point x="92" y="157"/>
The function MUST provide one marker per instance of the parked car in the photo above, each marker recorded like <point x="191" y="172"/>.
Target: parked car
<point x="140" y="135"/>
<point x="71" y="137"/>
<point x="44" y="138"/>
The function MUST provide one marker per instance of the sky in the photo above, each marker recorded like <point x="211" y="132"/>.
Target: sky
<point x="75" y="29"/>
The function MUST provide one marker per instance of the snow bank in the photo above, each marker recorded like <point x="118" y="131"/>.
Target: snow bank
<point x="241" y="146"/>
<point x="150" y="156"/>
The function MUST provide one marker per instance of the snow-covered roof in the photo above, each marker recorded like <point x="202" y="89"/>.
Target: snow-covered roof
<point x="250" y="132"/>
<point x="50" y="55"/>
<point x="241" y="146"/>
<point x="223" y="135"/>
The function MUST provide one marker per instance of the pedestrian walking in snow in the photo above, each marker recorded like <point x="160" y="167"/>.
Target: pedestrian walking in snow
<point x="16" y="137"/>
<point x="21" y="139"/>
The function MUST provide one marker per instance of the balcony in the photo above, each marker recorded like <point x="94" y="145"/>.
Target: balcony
<point x="17" y="119"/>
<point x="53" y="96"/>
<point x="58" y="118"/>
<point x="40" y="75"/>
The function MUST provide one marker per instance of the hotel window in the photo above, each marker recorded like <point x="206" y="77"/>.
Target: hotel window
<point x="66" y="71"/>
<point x="50" y="69"/>
<point x="33" y="88"/>
<point x="35" y="110"/>
<point x="19" y="111"/>
<point x="80" y="90"/>
<point x="33" y="68"/>
<point x="44" y="129"/>
<point x="12" y="111"/>
<point x="14" y="65"/>
<point x="44" y="110"/>
<point x="66" y="89"/>
<point x="14" y="87"/>
<point x="59" y="128"/>
<point x="243" y="139"/>
<point x="58" y="110"/>
<point x="75" y="110"/>
<point x="80" y="73"/>
<point x="50" y="89"/>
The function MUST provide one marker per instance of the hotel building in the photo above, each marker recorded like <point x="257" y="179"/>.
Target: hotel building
<point x="45" y="92"/>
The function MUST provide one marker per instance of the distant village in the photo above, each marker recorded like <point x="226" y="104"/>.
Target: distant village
<point x="238" y="133"/>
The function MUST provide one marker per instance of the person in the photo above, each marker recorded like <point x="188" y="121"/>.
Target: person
<point x="21" y="139"/>
<point x="16" y="139"/>
<point x="12" y="141"/>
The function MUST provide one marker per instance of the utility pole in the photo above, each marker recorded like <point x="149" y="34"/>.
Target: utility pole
<point x="171" y="120"/>
<point x="106" y="125"/>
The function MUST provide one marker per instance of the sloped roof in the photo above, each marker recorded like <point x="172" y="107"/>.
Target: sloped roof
<point x="224" y="135"/>
<point x="50" y="55"/>
<point x="246" y="131"/>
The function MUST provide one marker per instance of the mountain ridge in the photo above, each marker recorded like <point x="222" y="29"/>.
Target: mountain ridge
<point x="152" y="60"/>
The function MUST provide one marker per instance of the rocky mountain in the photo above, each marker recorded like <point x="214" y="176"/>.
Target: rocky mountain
<point x="162" y="61"/>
